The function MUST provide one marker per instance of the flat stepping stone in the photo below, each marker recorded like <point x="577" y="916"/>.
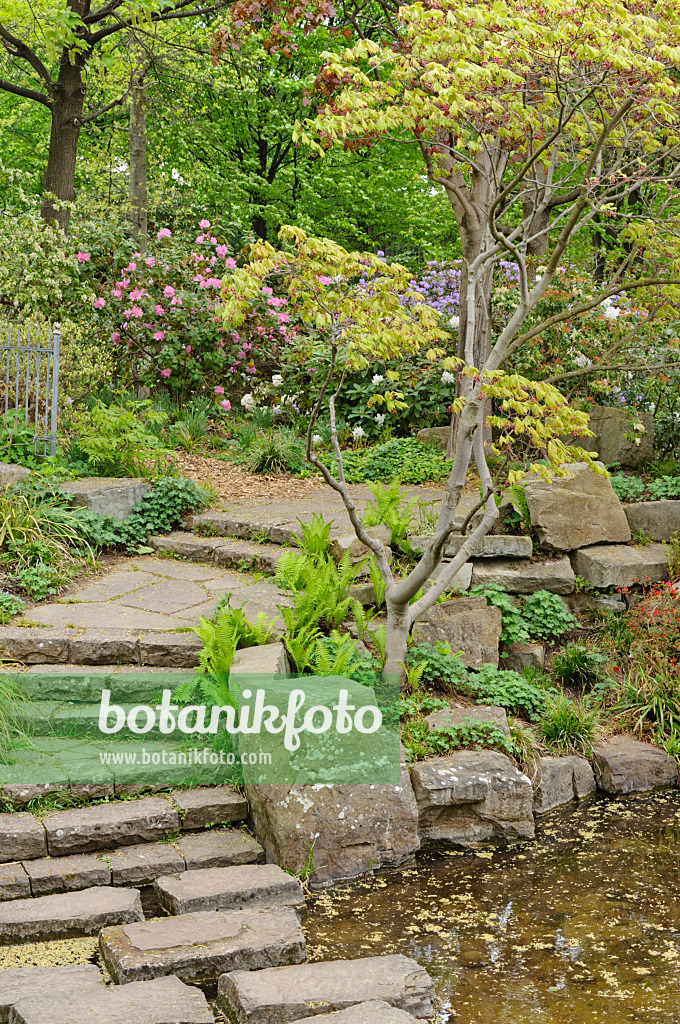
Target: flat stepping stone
<point x="51" y="875"/>
<point x="476" y="713"/>
<point x="96" y="828"/>
<point x="221" y="525"/>
<point x="142" y="865"/>
<point x="200" y="947"/>
<point x="162" y="1001"/>
<point x="220" y="850"/>
<point x="200" y="808"/>
<point x="374" y="1012"/>
<point x="26" y="983"/>
<point x="14" y="883"/>
<point x="22" y="837"/>
<point x="251" y="885"/>
<point x="68" y="914"/>
<point x="234" y="554"/>
<point x="291" y="993"/>
<point x="621" y="565"/>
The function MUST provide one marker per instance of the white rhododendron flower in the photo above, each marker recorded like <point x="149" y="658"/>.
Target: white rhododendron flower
<point x="377" y="379"/>
<point x="454" y="322"/>
<point x="380" y="418"/>
<point x="277" y="380"/>
<point x="448" y="378"/>
<point x="317" y="439"/>
<point x="248" y="402"/>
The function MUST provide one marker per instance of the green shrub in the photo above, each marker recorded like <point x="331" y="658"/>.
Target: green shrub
<point x="407" y="460"/>
<point x="569" y="726"/>
<point x="10" y="605"/>
<point x="507" y="689"/>
<point x="627" y="488"/>
<point x="118" y="439"/>
<point x="547" y="616"/>
<point x="513" y="627"/>
<point x="664" y="487"/>
<point x="276" y="451"/>
<point x="578" y="665"/>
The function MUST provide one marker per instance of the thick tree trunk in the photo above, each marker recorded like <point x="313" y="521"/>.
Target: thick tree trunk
<point x="139" y="199"/>
<point x="67" y="120"/>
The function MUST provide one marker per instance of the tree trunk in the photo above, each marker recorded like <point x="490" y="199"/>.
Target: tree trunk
<point x="139" y="199"/>
<point x="67" y="120"/>
<point x="398" y="624"/>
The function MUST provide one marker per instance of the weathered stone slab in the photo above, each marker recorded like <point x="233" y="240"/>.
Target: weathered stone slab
<point x="268" y="659"/>
<point x="105" y="647"/>
<point x="22" y="837"/>
<point x="66" y="874"/>
<point x="199" y="808"/>
<point x="187" y="545"/>
<point x="618" y="565"/>
<point x="615" y="440"/>
<point x="174" y="650"/>
<point x="282" y="994"/>
<point x="559" y="780"/>
<point x="33" y="645"/>
<point x="220" y="850"/>
<point x="438" y="436"/>
<point x="349" y="829"/>
<point x="520" y="656"/>
<point x="658" y="520"/>
<point x="19" y="795"/>
<point x="374" y="1012"/>
<point x="26" y="983"/>
<point x="624" y="765"/>
<point x="467" y="624"/>
<point x="503" y="545"/>
<point x="569" y="513"/>
<point x="11" y="474"/>
<point x="14" y="884"/>
<point x="107" y="496"/>
<point x="579" y="603"/>
<point x="142" y="865"/>
<point x="519" y="576"/>
<point x="161" y="1001"/>
<point x="472" y="797"/>
<point x="237" y="888"/>
<point x="222" y="524"/>
<point x="200" y="947"/>
<point x="97" y="828"/>
<point x="475" y="713"/>
<point x="357" y="550"/>
<point x="71" y="913"/>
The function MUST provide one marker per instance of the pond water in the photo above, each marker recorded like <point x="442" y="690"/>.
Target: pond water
<point x="580" y="927"/>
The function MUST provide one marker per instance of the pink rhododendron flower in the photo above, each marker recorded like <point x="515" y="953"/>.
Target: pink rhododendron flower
<point x="166" y="373"/>
<point x="225" y="404"/>
<point x="213" y="241"/>
<point x="201" y="238"/>
<point x="123" y="283"/>
<point x="83" y="257"/>
<point x="204" y="224"/>
<point x="230" y="264"/>
<point x="219" y="390"/>
<point x="159" y="310"/>
<point x="150" y="261"/>
<point x="213" y="282"/>
<point x="137" y="293"/>
<point x="99" y="303"/>
<point x="268" y="291"/>
<point x="117" y="292"/>
<point x="164" y="233"/>
<point x="221" y="250"/>
<point x="168" y="291"/>
<point x="187" y="349"/>
<point x="159" y="335"/>
<point x="131" y="267"/>
<point x="175" y="301"/>
<point x="322" y="279"/>
<point x="127" y="313"/>
<point x="115" y="337"/>
<point x="136" y="311"/>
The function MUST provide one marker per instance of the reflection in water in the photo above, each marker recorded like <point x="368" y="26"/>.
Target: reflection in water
<point x="580" y="927"/>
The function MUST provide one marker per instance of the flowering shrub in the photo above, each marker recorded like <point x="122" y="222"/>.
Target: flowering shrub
<point x="654" y="624"/>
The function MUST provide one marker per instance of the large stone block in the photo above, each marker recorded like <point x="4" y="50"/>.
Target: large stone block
<point x="569" y="513"/>
<point x="238" y="888"/>
<point x="475" y="713"/>
<point x="66" y="874"/>
<point x="283" y="994"/>
<point x="83" y="829"/>
<point x="28" y="982"/>
<point x="200" y="947"/>
<point x="22" y="837"/>
<point x="71" y="913"/>
<point x="11" y="474"/>
<point x="14" y="883"/>
<point x="503" y="545"/>
<point x="374" y="1012"/>
<point x="357" y="550"/>
<point x="33" y="646"/>
<point x="438" y="436"/>
<point x="268" y="659"/>
<point x="658" y="520"/>
<point x="142" y="865"/>
<point x="559" y="780"/>
<point x="105" y="495"/>
<point x="522" y="576"/>
<point x="624" y="765"/>
<point x="519" y="657"/>
<point x="472" y="797"/>
<point x="615" y="440"/>
<point x="621" y="565"/>
<point x="199" y="808"/>
<point x="161" y="1001"/>
<point x="347" y="830"/>
<point x="220" y="849"/>
<point x="467" y="624"/>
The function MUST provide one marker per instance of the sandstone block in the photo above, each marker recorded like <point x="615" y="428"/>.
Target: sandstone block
<point x="200" y="947"/>
<point x="173" y="650"/>
<point x="658" y="520"/>
<point x="618" y="565"/>
<point x="624" y="765"/>
<point x="66" y="874"/>
<point x="14" y="884"/>
<point x="101" y="647"/>
<point x="282" y="994"/>
<point x="71" y="913"/>
<point x="559" y="780"/>
<point x="106" y="495"/>
<point x="349" y="829"/>
<point x="238" y="888"/>
<point x="33" y="646"/>
<point x="374" y="1012"/>
<point x="472" y="797"/>
<point x="22" y="837"/>
<point x="503" y="545"/>
<point x="83" y="829"/>
<point x="475" y="713"/>
<point x="28" y="982"/>
<point x="519" y="576"/>
<point x="218" y="805"/>
<point x="438" y="436"/>
<point x="520" y="656"/>
<point x="569" y="513"/>
<point x="220" y="850"/>
<point x="142" y="865"/>
<point x="269" y="659"/>
<point x="614" y="439"/>
<point x="467" y="624"/>
<point x="11" y="474"/>
<point x="357" y="550"/>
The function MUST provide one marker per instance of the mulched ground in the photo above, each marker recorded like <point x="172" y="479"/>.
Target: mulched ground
<point x="233" y="482"/>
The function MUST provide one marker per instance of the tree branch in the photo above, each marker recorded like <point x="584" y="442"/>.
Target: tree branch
<point x="28" y="94"/>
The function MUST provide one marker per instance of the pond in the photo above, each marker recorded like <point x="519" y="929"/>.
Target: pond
<point x="581" y="926"/>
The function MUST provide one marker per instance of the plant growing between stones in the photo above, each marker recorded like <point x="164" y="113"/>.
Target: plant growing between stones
<point x="546" y="615"/>
<point x="569" y="727"/>
<point x="578" y="665"/>
<point x="10" y="605"/>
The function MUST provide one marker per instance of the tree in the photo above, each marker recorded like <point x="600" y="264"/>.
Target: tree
<point x="360" y="307"/>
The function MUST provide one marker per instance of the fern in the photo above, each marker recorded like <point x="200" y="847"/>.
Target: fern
<point x="390" y="510"/>
<point x="377" y="581"/>
<point x="518" y="500"/>
<point x="380" y="640"/>
<point x="316" y="536"/>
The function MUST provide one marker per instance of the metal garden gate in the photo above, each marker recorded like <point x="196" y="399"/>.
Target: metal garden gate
<point x="29" y="380"/>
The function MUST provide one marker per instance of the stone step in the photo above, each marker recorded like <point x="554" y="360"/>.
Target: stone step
<point x="374" y="1012"/>
<point x="244" y="555"/>
<point x="200" y="947"/>
<point x="83" y="829"/>
<point x="51" y="875"/>
<point x="161" y="1001"/>
<point x="66" y="718"/>
<point x="80" y="646"/>
<point x="27" y="983"/>
<point x="621" y="565"/>
<point x="524" y="576"/>
<point x="78" y="684"/>
<point x="235" y="888"/>
<point x="21" y="837"/>
<point x="491" y="546"/>
<point x="68" y="914"/>
<point x="225" y="849"/>
<point x="108" y="496"/>
<point x="220" y="524"/>
<point x="14" y="882"/>
<point x="290" y="993"/>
